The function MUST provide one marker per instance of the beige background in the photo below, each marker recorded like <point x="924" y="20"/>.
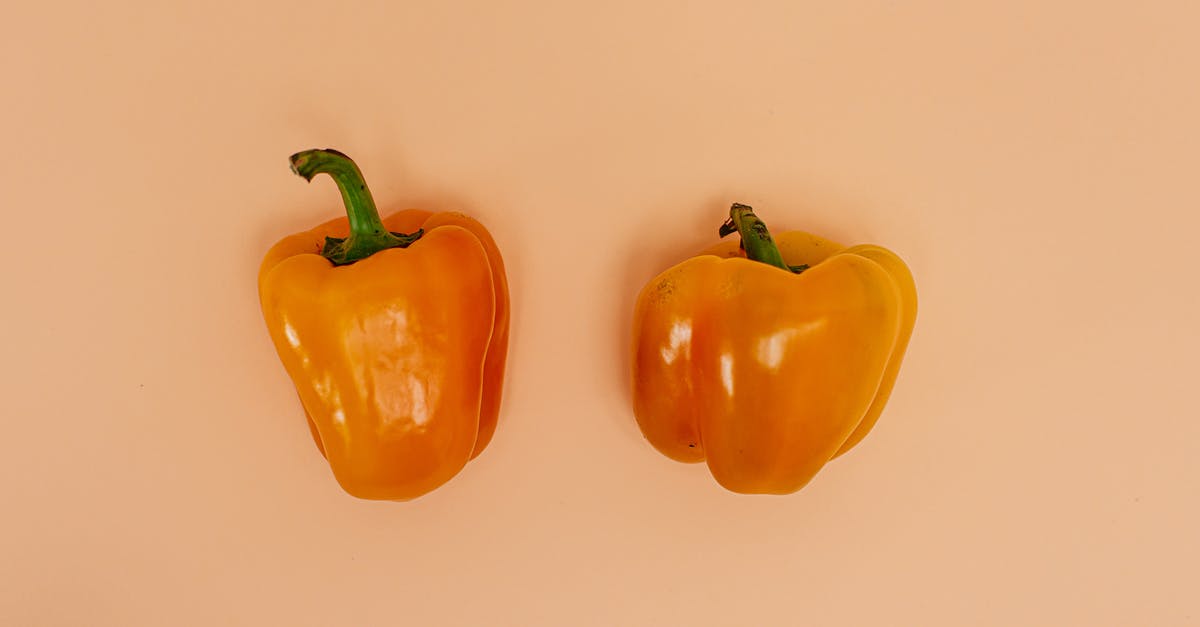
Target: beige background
<point x="1036" y="166"/>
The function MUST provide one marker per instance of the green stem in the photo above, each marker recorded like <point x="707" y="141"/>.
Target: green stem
<point x="756" y="239"/>
<point x="368" y="235"/>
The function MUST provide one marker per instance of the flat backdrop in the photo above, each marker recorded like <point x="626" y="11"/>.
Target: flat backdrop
<point x="1035" y="163"/>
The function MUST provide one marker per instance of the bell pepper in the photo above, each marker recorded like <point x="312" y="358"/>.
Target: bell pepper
<point x="394" y="332"/>
<point x="768" y="360"/>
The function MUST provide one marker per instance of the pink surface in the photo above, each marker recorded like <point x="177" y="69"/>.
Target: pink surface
<point x="1034" y="165"/>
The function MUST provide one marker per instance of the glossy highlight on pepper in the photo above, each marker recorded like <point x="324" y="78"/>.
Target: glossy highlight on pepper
<point x="767" y="359"/>
<point x="394" y="332"/>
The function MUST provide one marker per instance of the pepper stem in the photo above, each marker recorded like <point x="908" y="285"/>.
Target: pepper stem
<point x="368" y="235"/>
<point x="756" y="239"/>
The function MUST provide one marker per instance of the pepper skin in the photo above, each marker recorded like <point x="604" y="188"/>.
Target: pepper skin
<point x="395" y="343"/>
<point x="765" y="360"/>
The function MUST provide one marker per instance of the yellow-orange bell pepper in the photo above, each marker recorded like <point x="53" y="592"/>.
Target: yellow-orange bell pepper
<point x="767" y="360"/>
<point x="394" y="333"/>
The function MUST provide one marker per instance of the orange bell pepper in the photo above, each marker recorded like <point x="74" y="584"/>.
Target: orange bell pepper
<point x="395" y="342"/>
<point x="769" y="360"/>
